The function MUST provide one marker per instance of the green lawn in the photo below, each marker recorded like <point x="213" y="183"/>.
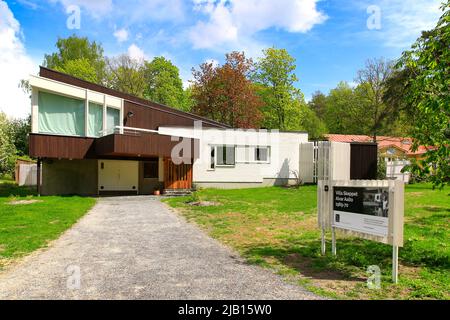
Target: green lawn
<point x="277" y="228"/>
<point x="27" y="227"/>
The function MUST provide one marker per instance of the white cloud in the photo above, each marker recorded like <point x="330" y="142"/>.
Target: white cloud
<point x="136" y="53"/>
<point x="233" y="21"/>
<point x="403" y="21"/>
<point x="15" y="65"/>
<point x="97" y="9"/>
<point x="121" y="35"/>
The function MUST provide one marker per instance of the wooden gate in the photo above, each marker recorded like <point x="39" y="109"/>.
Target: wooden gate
<point x="177" y="176"/>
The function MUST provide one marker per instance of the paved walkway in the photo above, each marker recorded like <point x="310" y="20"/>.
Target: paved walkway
<point x="136" y="248"/>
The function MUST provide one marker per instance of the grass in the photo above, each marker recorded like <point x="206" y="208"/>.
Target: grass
<point x="277" y="228"/>
<point x="27" y="227"/>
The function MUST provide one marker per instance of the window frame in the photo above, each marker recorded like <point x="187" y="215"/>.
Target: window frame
<point x="156" y="162"/>
<point x="216" y="152"/>
<point x="256" y="160"/>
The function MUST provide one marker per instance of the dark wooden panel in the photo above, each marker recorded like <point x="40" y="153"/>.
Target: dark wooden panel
<point x="61" y="147"/>
<point x="177" y="176"/>
<point x="177" y="117"/>
<point x="144" y="145"/>
<point x="363" y="161"/>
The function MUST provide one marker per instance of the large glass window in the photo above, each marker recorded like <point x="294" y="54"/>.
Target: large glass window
<point x="95" y="120"/>
<point x="112" y="119"/>
<point x="61" y="115"/>
<point x="226" y="156"/>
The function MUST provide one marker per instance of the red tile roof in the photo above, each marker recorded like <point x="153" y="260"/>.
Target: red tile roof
<point x="404" y="144"/>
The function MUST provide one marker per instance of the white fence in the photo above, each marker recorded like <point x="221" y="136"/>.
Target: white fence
<point x="324" y="160"/>
<point x="27" y="174"/>
<point x="394" y="170"/>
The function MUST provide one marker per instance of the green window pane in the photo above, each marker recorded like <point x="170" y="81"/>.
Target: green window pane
<point x="112" y="119"/>
<point x="61" y="115"/>
<point x="95" y="120"/>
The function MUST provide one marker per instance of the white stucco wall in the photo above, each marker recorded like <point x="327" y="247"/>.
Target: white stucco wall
<point x="283" y="158"/>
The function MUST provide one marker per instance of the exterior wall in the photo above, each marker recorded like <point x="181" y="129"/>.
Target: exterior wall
<point x="243" y="185"/>
<point x="67" y="177"/>
<point x="284" y="155"/>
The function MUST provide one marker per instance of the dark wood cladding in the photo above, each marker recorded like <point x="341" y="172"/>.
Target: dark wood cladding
<point x="147" y="118"/>
<point x="61" y="147"/>
<point x="145" y="145"/>
<point x="177" y="117"/>
<point x="363" y="161"/>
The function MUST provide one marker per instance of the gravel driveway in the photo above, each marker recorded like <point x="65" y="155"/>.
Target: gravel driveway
<point x="137" y="248"/>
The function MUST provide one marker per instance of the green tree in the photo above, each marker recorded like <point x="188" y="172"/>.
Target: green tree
<point x="275" y="76"/>
<point x="344" y="112"/>
<point x="8" y="152"/>
<point x="311" y="123"/>
<point x="164" y="84"/>
<point x="318" y="104"/>
<point x="78" y="57"/>
<point x="18" y="133"/>
<point x="127" y="75"/>
<point x="429" y="94"/>
<point x="371" y="88"/>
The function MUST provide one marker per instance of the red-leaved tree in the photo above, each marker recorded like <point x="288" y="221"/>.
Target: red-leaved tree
<point x="225" y="93"/>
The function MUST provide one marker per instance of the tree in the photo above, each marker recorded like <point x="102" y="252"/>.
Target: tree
<point x="127" y="75"/>
<point x="318" y="104"/>
<point x="226" y="94"/>
<point x="275" y="77"/>
<point x="371" y="88"/>
<point x="7" y="149"/>
<point x="18" y="133"/>
<point x="164" y="84"/>
<point x="345" y="111"/>
<point x="428" y="92"/>
<point x="78" y="57"/>
<point x="311" y="123"/>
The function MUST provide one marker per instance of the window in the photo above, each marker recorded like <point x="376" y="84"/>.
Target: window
<point x="262" y="154"/>
<point x="61" y="115"/>
<point x="151" y="169"/>
<point x="112" y="119"/>
<point x="225" y="155"/>
<point x="213" y="158"/>
<point x="95" y="120"/>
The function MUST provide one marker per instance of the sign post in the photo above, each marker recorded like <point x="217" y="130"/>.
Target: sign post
<point x="370" y="209"/>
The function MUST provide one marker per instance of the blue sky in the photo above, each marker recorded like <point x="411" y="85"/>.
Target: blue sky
<point x="330" y="39"/>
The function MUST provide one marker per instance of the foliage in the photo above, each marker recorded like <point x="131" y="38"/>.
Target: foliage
<point x="79" y="57"/>
<point x="127" y="75"/>
<point x="427" y="91"/>
<point x="344" y="111"/>
<point x="372" y="84"/>
<point x="226" y="94"/>
<point x="164" y="84"/>
<point x="8" y="151"/>
<point x="275" y="76"/>
<point x="18" y="131"/>
<point x="381" y="167"/>
<point x="318" y="104"/>
<point x="277" y="228"/>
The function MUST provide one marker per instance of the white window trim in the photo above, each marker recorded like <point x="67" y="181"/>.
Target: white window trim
<point x="216" y="165"/>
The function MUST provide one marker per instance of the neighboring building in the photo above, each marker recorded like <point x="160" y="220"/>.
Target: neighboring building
<point x="90" y="139"/>
<point x="390" y="148"/>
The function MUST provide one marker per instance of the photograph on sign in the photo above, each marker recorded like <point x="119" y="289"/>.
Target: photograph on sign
<point x="361" y="209"/>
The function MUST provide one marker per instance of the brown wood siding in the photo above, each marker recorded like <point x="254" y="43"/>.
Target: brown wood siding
<point x="61" y="147"/>
<point x="145" y="145"/>
<point x="363" y="161"/>
<point x="177" y="176"/>
<point x="148" y="118"/>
